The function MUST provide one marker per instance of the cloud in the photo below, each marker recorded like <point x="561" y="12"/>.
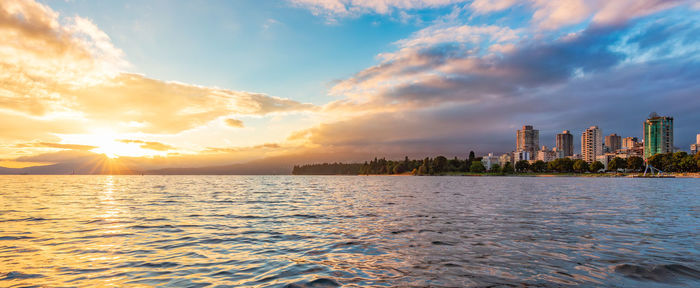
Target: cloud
<point x="546" y="14"/>
<point x="150" y="145"/>
<point x="242" y="149"/>
<point x="234" y="123"/>
<point x="449" y="94"/>
<point x="59" y="70"/>
<point x="551" y="15"/>
<point x="169" y="107"/>
<point x="344" y="8"/>
<point x="57" y="145"/>
<point x="487" y="6"/>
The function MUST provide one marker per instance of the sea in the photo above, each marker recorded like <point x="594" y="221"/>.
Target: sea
<point x="348" y="231"/>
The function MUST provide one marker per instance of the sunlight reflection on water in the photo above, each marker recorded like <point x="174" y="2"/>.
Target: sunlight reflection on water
<point x="356" y="231"/>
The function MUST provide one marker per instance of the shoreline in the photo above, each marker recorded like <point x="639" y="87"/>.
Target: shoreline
<point x="584" y="175"/>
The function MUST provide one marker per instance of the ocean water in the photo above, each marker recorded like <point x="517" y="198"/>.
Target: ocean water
<point x="354" y="231"/>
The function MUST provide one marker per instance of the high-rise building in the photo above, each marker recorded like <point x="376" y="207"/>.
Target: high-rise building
<point x="628" y="142"/>
<point x="613" y="142"/>
<point x="565" y="143"/>
<point x="658" y="135"/>
<point x="695" y="148"/>
<point x="528" y="140"/>
<point x="591" y="144"/>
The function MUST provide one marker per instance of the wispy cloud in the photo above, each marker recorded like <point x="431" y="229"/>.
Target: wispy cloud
<point x="150" y="145"/>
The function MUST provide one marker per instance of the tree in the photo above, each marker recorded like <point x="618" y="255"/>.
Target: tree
<point x="562" y="165"/>
<point x="581" y="166"/>
<point x="471" y="156"/>
<point x="399" y="168"/>
<point x="617" y="163"/>
<point x="439" y="164"/>
<point x="688" y="164"/>
<point x="597" y="166"/>
<point x="477" y="167"/>
<point x="538" y="166"/>
<point x="522" y="166"/>
<point x="508" y="168"/>
<point x="635" y="163"/>
<point x="423" y="170"/>
<point x="454" y="164"/>
<point x="495" y="168"/>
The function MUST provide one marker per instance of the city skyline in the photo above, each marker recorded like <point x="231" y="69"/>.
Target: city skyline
<point x="153" y="85"/>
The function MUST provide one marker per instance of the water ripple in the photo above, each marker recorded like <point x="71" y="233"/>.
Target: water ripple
<point x="303" y="231"/>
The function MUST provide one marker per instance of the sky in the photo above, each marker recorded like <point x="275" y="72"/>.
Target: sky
<point x="158" y="84"/>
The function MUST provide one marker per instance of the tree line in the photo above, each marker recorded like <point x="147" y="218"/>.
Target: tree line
<point x="440" y="165"/>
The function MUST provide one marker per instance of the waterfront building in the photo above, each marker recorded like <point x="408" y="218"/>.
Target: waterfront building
<point x="489" y="160"/>
<point x="521" y="155"/>
<point x="505" y="158"/>
<point x="607" y="157"/>
<point x="629" y="142"/>
<point x="658" y="135"/>
<point x="591" y="144"/>
<point x="565" y="143"/>
<point x="574" y="157"/>
<point x="527" y="140"/>
<point x="695" y="148"/>
<point x="547" y="155"/>
<point x="613" y="142"/>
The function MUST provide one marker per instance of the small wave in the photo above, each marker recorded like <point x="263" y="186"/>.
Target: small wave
<point x="658" y="273"/>
<point x="15" y="237"/>
<point x="25" y="219"/>
<point x="318" y="283"/>
<point x="307" y="216"/>
<point x="19" y="275"/>
<point x="107" y="235"/>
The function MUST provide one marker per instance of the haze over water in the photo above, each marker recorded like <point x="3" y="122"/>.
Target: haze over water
<point x="270" y="231"/>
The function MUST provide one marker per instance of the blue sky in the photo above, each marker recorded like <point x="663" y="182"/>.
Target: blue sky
<point x="268" y="46"/>
<point x="171" y="83"/>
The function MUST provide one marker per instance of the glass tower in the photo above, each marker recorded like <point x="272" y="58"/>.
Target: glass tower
<point x="658" y="135"/>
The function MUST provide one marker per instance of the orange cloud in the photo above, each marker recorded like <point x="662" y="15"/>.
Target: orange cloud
<point x="55" y="69"/>
<point x="59" y="146"/>
<point x="234" y="123"/>
<point x="151" y="145"/>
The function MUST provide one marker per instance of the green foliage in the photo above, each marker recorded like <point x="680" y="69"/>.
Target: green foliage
<point x="522" y="166"/>
<point x="675" y="162"/>
<point x="454" y="165"/>
<point x="688" y="164"/>
<point x="328" y="169"/>
<point x="597" y="166"/>
<point x="617" y="163"/>
<point x="580" y="166"/>
<point x="538" y="166"/>
<point x="508" y="168"/>
<point x="635" y="163"/>
<point x="439" y="165"/>
<point x="477" y="167"/>
<point x="562" y="165"/>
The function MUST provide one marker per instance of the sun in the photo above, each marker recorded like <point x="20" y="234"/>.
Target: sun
<point x="113" y="148"/>
<point x="111" y="144"/>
